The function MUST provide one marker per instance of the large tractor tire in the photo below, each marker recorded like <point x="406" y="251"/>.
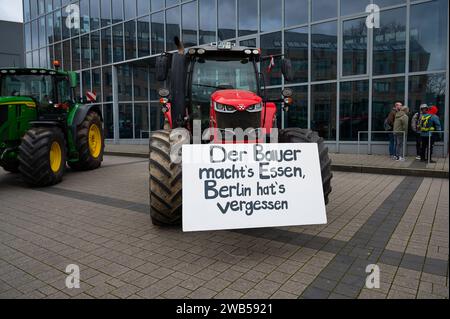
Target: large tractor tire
<point x="297" y="135"/>
<point x="11" y="166"/>
<point x="42" y="156"/>
<point x="89" y="143"/>
<point x="165" y="182"/>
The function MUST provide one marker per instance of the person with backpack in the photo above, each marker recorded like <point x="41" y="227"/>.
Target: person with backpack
<point x="415" y="126"/>
<point x="429" y="123"/>
<point x="389" y="126"/>
<point x="400" y="131"/>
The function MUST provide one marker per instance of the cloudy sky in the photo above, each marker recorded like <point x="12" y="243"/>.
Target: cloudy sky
<point x="11" y="10"/>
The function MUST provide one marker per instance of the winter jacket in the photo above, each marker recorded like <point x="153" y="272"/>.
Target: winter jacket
<point x="415" y="122"/>
<point x="401" y="122"/>
<point x="430" y="123"/>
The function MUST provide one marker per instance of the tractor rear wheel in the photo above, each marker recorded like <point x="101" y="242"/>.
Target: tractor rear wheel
<point x="42" y="156"/>
<point x="89" y="143"/>
<point x="297" y="135"/>
<point x="11" y="166"/>
<point x="165" y="182"/>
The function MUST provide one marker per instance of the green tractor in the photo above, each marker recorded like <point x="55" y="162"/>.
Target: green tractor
<point x="42" y="127"/>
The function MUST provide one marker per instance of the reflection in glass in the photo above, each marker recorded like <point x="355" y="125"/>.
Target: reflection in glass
<point x="109" y="121"/>
<point x="117" y="33"/>
<point x="143" y="34"/>
<point x="95" y="48"/>
<point x="42" y="36"/>
<point x="428" y="89"/>
<point x="106" y="46"/>
<point x="323" y="110"/>
<point x="140" y="80"/>
<point x="207" y="21"/>
<point x="248" y="19"/>
<point x="172" y="27"/>
<point x="117" y="11"/>
<point x="50" y="28"/>
<point x="76" y="54"/>
<point x="130" y="9"/>
<point x="354" y="56"/>
<point x="57" y="26"/>
<point x="95" y="14"/>
<point x="354" y="109"/>
<point x="157" y="5"/>
<point x="324" y="51"/>
<point x="85" y="52"/>
<point x="389" y="43"/>
<point x="189" y="32"/>
<point x="107" y="84"/>
<point x="295" y="12"/>
<point x="84" y="16"/>
<point x="270" y="15"/>
<point x="298" y="111"/>
<point x="66" y="55"/>
<point x="143" y="7"/>
<point x="296" y="49"/>
<point x="86" y="81"/>
<point x="105" y="7"/>
<point x="130" y="39"/>
<point x="349" y="7"/>
<point x="126" y="121"/>
<point x="34" y="35"/>
<point x="271" y="45"/>
<point x="428" y="36"/>
<point x="385" y="93"/>
<point x="157" y="30"/>
<point x="141" y="121"/>
<point x="96" y="83"/>
<point x="323" y="9"/>
<point x="227" y="19"/>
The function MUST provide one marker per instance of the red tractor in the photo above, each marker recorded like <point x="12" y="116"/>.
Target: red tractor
<point x="220" y="87"/>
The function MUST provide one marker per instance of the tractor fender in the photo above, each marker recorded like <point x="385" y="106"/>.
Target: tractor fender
<point x="80" y="114"/>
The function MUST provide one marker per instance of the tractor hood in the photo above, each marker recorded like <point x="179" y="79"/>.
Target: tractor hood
<point x="8" y="100"/>
<point x="240" y="99"/>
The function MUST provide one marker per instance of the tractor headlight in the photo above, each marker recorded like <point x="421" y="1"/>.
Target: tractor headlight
<point x="255" y="108"/>
<point x="224" y="108"/>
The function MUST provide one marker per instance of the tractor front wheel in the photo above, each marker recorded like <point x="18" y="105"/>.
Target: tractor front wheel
<point x="42" y="156"/>
<point x="298" y="135"/>
<point x="165" y="182"/>
<point x="11" y="166"/>
<point x="89" y="143"/>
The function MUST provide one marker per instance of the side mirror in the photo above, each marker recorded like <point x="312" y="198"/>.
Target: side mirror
<point x="162" y="67"/>
<point x="286" y="69"/>
<point x="73" y="79"/>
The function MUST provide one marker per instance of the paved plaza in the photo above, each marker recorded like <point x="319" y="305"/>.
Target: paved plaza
<point x="100" y="221"/>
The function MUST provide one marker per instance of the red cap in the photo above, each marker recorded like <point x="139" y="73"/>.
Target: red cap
<point x="433" y="110"/>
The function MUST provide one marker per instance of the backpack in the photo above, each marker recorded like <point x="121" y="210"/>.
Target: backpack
<point x="425" y="125"/>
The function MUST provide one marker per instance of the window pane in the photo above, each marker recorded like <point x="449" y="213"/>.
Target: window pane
<point x="207" y="21"/>
<point x="34" y="9"/>
<point x="96" y="83"/>
<point x="76" y="54"/>
<point x="354" y="109"/>
<point x="172" y="27"/>
<point x="157" y="5"/>
<point x="156" y="117"/>
<point x="130" y="9"/>
<point x="65" y="29"/>
<point x="140" y="78"/>
<point x="130" y="40"/>
<point x="48" y="5"/>
<point x="125" y="88"/>
<point x="34" y="35"/>
<point x="109" y="121"/>
<point x="85" y="52"/>
<point x="248" y="19"/>
<point x="66" y="55"/>
<point x="323" y="110"/>
<point x="295" y="12"/>
<point x="143" y="7"/>
<point x="324" y="9"/>
<point x="271" y="45"/>
<point x="428" y="36"/>
<point x="42" y="36"/>
<point x="141" y="121"/>
<point x="270" y="15"/>
<point x="143" y="33"/>
<point x="43" y="58"/>
<point x="84" y="16"/>
<point x="58" y="52"/>
<point x="95" y="14"/>
<point x="227" y="19"/>
<point x="95" y="48"/>
<point x="171" y="2"/>
<point x="385" y="93"/>
<point x="86" y="81"/>
<point x="106" y="46"/>
<point x="324" y="51"/>
<point x="387" y="3"/>
<point x="57" y="27"/>
<point x="354" y="6"/>
<point x="296" y="49"/>
<point x="354" y="59"/>
<point x="428" y="89"/>
<point x="105" y="6"/>
<point x="157" y="30"/>
<point x="117" y="33"/>
<point x="27" y="37"/>
<point x="126" y="120"/>
<point x="50" y="27"/>
<point x="389" y="42"/>
<point x="117" y="11"/>
<point x="41" y="6"/>
<point x="189" y="18"/>
<point x="251" y="43"/>
<point x="298" y="112"/>
<point x="107" y="84"/>
<point x="26" y="10"/>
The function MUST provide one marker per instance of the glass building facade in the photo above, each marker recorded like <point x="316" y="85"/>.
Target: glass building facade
<point x="346" y="76"/>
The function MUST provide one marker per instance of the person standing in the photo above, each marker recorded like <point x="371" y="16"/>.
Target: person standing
<point x="389" y="126"/>
<point x="400" y="131"/>
<point x="415" y="126"/>
<point x="429" y="123"/>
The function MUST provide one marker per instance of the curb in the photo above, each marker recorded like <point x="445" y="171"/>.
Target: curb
<point x="344" y="168"/>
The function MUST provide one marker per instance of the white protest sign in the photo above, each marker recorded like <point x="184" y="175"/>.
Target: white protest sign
<point x="237" y="186"/>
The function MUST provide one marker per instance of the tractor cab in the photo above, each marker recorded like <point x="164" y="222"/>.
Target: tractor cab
<point x="219" y="85"/>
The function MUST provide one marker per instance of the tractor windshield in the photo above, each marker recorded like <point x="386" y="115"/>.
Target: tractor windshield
<point x="210" y="75"/>
<point x="38" y="87"/>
